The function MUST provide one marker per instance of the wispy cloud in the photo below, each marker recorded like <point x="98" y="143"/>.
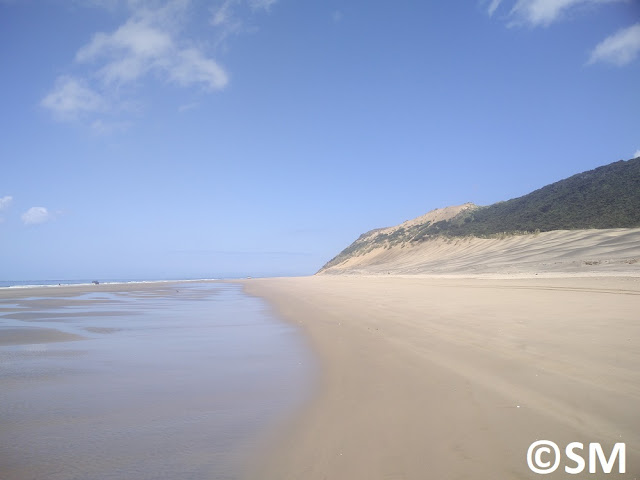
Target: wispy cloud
<point x="545" y="12"/>
<point x="5" y="202"/>
<point x="72" y="97"/>
<point x="129" y="52"/>
<point x="230" y="17"/>
<point x="620" y="48"/>
<point x="337" y="16"/>
<point x="36" y="215"/>
<point x="536" y="13"/>
<point x="493" y="6"/>
<point x="192" y="67"/>
<point x="226" y="21"/>
<point x="637" y="153"/>
<point x="154" y="41"/>
<point x="140" y="47"/>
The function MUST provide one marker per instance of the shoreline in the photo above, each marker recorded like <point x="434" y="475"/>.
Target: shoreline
<point x="133" y="283"/>
<point x="426" y="377"/>
<point x="177" y="380"/>
<point x="65" y="290"/>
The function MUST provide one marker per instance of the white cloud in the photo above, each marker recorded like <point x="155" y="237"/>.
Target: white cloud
<point x="637" y="154"/>
<point x="5" y="202"/>
<point x="139" y="47"/>
<point x="226" y="21"/>
<point x="493" y="6"/>
<point x="156" y="40"/>
<point x="544" y="12"/>
<point x="192" y="67"/>
<point x="540" y="12"/>
<point x="72" y="97"/>
<point x="229" y="16"/>
<point x="152" y="41"/>
<point x="134" y="38"/>
<point x="36" y="215"/>
<point x="223" y="14"/>
<point x="620" y="48"/>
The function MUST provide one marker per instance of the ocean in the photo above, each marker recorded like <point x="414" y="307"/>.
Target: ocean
<point x="178" y="381"/>
<point x="86" y="281"/>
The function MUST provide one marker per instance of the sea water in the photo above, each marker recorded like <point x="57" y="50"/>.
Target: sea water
<point x="177" y="383"/>
<point x="87" y="281"/>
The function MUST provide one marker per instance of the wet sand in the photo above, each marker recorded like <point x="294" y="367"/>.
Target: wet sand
<point x="54" y="304"/>
<point x="455" y="378"/>
<point x="57" y="291"/>
<point x="160" y="381"/>
<point x="30" y="336"/>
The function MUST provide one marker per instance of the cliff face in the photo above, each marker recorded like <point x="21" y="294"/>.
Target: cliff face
<point x="607" y="197"/>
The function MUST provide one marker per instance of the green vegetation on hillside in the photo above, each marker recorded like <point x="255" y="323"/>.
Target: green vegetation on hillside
<point x="606" y="197"/>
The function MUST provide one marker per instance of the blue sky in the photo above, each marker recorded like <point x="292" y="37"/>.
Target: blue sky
<point x="177" y="138"/>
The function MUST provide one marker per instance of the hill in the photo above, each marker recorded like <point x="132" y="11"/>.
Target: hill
<point x="607" y="197"/>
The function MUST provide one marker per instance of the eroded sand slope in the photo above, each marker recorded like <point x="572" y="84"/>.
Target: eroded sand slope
<point x="585" y="252"/>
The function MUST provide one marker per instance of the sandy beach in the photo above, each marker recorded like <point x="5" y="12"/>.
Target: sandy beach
<point x="419" y="377"/>
<point x="455" y="378"/>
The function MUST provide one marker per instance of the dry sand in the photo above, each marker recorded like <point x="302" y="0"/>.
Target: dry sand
<point x="433" y="378"/>
<point x="613" y="252"/>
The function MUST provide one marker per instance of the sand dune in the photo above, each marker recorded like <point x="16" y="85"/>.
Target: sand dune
<point x="584" y="252"/>
<point x="432" y="216"/>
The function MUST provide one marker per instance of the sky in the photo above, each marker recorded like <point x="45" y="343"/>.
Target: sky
<point x="166" y="139"/>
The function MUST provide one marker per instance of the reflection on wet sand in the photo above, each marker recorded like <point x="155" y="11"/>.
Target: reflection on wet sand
<point x="175" y="382"/>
